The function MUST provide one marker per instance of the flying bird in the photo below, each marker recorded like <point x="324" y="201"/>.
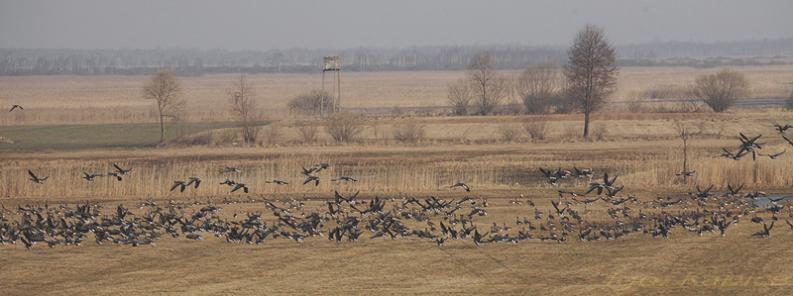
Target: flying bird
<point x="122" y="171"/>
<point x="36" y="179"/>
<point x="14" y="107"/>
<point x="461" y="184"/>
<point x="277" y="181"/>
<point x="90" y="177"/>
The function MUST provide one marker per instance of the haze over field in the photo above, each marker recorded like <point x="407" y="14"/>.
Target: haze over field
<point x="261" y="25"/>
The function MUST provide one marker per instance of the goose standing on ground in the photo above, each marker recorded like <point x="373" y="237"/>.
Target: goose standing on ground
<point x="36" y="179"/>
<point x="14" y="107"/>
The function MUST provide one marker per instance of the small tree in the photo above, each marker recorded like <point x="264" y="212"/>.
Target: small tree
<point x="243" y="104"/>
<point x="539" y="86"/>
<point x="487" y="85"/>
<point x="789" y="103"/>
<point x="164" y="89"/>
<point x="591" y="71"/>
<point x="311" y="103"/>
<point x="720" y="90"/>
<point x="459" y="97"/>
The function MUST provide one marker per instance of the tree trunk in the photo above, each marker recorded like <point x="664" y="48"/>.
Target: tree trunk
<point x="162" y="130"/>
<point x="586" y="125"/>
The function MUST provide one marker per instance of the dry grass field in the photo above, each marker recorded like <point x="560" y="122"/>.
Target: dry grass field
<point x="642" y="149"/>
<point x="105" y="99"/>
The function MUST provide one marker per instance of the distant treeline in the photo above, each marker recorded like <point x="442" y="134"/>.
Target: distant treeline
<point x="198" y="62"/>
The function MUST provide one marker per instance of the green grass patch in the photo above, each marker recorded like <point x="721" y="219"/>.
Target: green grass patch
<point x="83" y="136"/>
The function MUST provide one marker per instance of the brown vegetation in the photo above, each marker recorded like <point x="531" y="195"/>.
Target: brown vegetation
<point x="720" y="90"/>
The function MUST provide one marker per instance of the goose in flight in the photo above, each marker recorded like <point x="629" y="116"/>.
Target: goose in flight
<point x="179" y="184"/>
<point x="228" y="182"/>
<point x="462" y="185"/>
<point x="239" y="186"/>
<point x="235" y="170"/>
<point x="311" y="178"/>
<point x="345" y="178"/>
<point x="195" y="181"/>
<point x="90" y="177"/>
<point x="581" y="173"/>
<point x="782" y="128"/>
<point x="734" y="190"/>
<point x="686" y="173"/>
<point x="14" y="107"/>
<point x="115" y="174"/>
<point x="122" y="171"/>
<point x="774" y="155"/>
<point x="277" y="182"/>
<point x="36" y="179"/>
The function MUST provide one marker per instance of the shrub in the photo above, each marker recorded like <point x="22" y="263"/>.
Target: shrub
<point x="508" y="132"/>
<point x="311" y="103"/>
<point x="409" y="133"/>
<point x="536" y="130"/>
<point x="308" y="133"/>
<point x="789" y="102"/>
<point x="721" y="90"/>
<point x="345" y="127"/>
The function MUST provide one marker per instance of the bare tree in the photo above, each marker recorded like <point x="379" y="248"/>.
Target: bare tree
<point x="243" y="105"/>
<point x="591" y="71"/>
<point x="488" y="86"/>
<point x="538" y="86"/>
<point x="164" y="89"/>
<point x="720" y="90"/>
<point x="459" y="97"/>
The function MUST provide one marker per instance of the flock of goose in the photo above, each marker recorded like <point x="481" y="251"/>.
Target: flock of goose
<point x="568" y="216"/>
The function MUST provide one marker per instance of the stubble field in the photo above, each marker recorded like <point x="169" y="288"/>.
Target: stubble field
<point x="643" y="150"/>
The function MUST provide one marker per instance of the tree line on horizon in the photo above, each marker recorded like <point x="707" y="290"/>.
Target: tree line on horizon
<point x="22" y="61"/>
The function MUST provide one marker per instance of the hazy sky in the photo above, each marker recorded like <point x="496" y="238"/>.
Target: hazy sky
<point x="262" y="25"/>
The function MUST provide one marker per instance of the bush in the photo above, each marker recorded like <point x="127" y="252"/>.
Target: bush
<point x="409" y="133"/>
<point x="311" y="103"/>
<point x="508" y="132"/>
<point x="536" y="130"/>
<point x="597" y="132"/>
<point x="459" y="96"/>
<point x="667" y="91"/>
<point x="789" y="102"/>
<point x="721" y="90"/>
<point x="345" y="127"/>
<point x="272" y="135"/>
<point x="308" y="133"/>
